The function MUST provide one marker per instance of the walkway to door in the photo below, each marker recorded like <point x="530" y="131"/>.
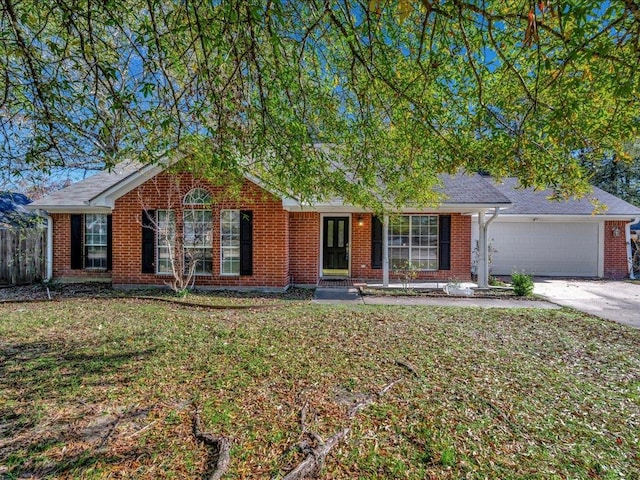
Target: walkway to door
<point x="350" y="294"/>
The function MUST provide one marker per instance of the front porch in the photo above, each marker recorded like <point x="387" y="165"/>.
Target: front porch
<point x="394" y="284"/>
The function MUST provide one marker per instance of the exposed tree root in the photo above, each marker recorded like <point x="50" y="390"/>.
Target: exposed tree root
<point x="409" y="367"/>
<point x="219" y="447"/>
<point x="314" y="460"/>
<point x="353" y="411"/>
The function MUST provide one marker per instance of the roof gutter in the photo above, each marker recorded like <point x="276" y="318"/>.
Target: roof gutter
<point x="627" y="236"/>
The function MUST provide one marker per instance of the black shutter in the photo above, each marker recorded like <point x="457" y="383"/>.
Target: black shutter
<point x="76" y="242"/>
<point x="246" y="242"/>
<point x="148" y="241"/>
<point x="444" y="243"/>
<point x="376" y="243"/>
<point x="109" y="243"/>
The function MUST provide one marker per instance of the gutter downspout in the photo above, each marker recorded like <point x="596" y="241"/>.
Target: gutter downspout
<point x="627" y="236"/>
<point x="483" y="248"/>
<point x="49" y="245"/>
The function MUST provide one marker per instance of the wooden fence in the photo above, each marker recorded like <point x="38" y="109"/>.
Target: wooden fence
<point x="22" y="255"/>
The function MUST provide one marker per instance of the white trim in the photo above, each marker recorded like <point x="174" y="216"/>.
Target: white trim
<point x="627" y="237"/>
<point x="385" y="250"/>
<point x="292" y="205"/>
<point x="227" y="274"/>
<point x="509" y="217"/>
<point x="186" y="247"/>
<point x="80" y="209"/>
<point x="601" y="236"/>
<point x="410" y="245"/>
<point x="172" y="244"/>
<point x="321" y="256"/>
<point x="124" y="186"/>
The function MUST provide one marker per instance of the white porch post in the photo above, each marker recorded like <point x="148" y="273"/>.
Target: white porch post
<point x="385" y="251"/>
<point x="483" y="248"/>
<point x="482" y="252"/>
<point x="627" y="236"/>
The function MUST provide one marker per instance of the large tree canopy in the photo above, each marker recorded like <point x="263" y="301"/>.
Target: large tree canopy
<point x="394" y="91"/>
<point x="621" y="178"/>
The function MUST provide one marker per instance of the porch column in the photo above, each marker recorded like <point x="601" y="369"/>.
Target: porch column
<point x="385" y="251"/>
<point x="483" y="279"/>
<point x="483" y="248"/>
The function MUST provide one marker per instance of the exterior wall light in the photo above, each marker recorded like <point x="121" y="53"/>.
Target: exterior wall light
<point x="360" y="220"/>
<point x="615" y="231"/>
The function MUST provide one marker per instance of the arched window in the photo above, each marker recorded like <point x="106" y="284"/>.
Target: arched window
<point x="197" y="196"/>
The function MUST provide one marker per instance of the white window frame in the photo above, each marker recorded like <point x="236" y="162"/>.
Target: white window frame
<point x="197" y="196"/>
<point x="165" y="240"/>
<point x="199" y="244"/>
<point x="102" y="242"/>
<point x="410" y="247"/>
<point x="229" y="241"/>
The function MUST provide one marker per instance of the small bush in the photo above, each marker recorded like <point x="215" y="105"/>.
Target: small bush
<point x="522" y="284"/>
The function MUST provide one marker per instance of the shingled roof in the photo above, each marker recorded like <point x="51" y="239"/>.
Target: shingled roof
<point x="470" y="189"/>
<point x="527" y="201"/>
<point x="460" y="189"/>
<point x="80" y="193"/>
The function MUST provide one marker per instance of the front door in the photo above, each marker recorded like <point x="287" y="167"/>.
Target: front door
<point x="335" y="246"/>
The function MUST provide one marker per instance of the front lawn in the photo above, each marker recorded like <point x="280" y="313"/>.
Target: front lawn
<point x="97" y="388"/>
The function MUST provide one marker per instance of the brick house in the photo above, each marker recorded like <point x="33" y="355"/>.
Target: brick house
<point x="127" y="226"/>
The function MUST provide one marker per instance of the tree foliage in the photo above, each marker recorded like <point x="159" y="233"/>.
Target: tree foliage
<point x="617" y="175"/>
<point x="394" y="91"/>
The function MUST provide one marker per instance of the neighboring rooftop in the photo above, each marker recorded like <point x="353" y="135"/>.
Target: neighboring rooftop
<point x="527" y="201"/>
<point x="13" y="212"/>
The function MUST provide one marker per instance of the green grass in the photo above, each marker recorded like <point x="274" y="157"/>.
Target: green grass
<point x="104" y="388"/>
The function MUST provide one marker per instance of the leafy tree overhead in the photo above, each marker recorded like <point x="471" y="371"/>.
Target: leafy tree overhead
<point x="618" y="176"/>
<point x="395" y="91"/>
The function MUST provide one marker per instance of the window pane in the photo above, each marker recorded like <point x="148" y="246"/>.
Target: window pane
<point x="330" y="233"/>
<point x="95" y="240"/>
<point x="96" y="257"/>
<point x="230" y="242"/>
<point x="197" y="230"/>
<point x="165" y="240"/>
<point x="202" y="257"/>
<point x="197" y="196"/>
<point x="413" y="240"/>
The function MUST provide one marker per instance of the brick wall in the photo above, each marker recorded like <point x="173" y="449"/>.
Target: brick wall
<point x="305" y="248"/>
<point x="460" y="251"/>
<point x="615" y="251"/>
<point x="286" y="245"/>
<point x="62" y="253"/>
<point x="270" y="231"/>
<point x="270" y="234"/>
<point x="304" y="251"/>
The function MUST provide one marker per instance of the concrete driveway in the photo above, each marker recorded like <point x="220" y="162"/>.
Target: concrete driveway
<point x="612" y="300"/>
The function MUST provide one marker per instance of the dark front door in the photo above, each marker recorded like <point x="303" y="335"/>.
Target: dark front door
<point x="335" y="246"/>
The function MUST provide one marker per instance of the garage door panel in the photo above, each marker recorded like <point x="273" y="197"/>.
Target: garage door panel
<point x="550" y="249"/>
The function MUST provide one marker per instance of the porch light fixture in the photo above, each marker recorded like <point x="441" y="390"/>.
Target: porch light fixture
<point x="615" y="231"/>
<point x="360" y="220"/>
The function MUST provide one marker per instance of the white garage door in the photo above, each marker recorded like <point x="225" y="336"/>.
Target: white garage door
<point x="546" y="249"/>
